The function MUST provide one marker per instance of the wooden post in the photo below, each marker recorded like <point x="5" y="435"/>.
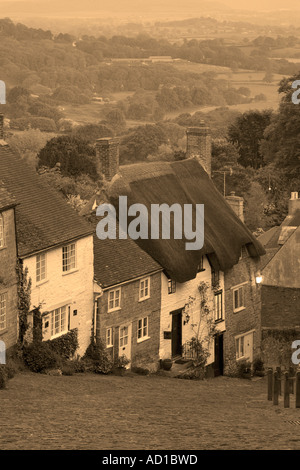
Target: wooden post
<point x="278" y="370"/>
<point x="291" y="380"/>
<point x="286" y="390"/>
<point x="298" y="390"/>
<point x="276" y="389"/>
<point x="270" y="384"/>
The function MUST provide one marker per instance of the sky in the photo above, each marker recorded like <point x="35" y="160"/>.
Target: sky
<point x="142" y="8"/>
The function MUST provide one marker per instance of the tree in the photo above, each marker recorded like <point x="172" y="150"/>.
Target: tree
<point x="247" y="132"/>
<point x="92" y="132"/>
<point x="281" y="142"/>
<point x="141" y="142"/>
<point x="28" y="143"/>
<point x="75" y="155"/>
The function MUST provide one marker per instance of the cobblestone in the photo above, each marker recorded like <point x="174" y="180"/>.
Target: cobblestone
<point x="139" y="412"/>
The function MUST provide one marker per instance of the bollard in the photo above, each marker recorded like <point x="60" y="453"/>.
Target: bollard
<point x="291" y="379"/>
<point x="286" y="390"/>
<point x="298" y="390"/>
<point x="270" y="384"/>
<point x="276" y="389"/>
<point x="278" y="370"/>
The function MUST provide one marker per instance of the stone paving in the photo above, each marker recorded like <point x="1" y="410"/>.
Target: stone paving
<point x="88" y="411"/>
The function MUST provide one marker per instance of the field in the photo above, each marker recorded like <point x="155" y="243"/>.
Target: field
<point x="88" y="411"/>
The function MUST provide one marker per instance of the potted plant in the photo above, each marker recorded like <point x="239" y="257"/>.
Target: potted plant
<point x="167" y="364"/>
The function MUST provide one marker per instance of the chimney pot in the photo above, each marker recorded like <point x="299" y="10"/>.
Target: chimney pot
<point x="107" y="152"/>
<point x="294" y="203"/>
<point x="199" y="145"/>
<point x="237" y="204"/>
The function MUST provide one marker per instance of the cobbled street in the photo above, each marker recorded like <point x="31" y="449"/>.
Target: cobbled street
<point x="147" y="413"/>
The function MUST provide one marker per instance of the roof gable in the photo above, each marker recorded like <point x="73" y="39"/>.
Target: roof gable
<point x="43" y="218"/>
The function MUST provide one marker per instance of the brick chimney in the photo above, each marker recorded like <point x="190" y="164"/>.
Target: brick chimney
<point x="237" y="204"/>
<point x="1" y="126"/>
<point x="107" y="152"/>
<point x="294" y="203"/>
<point x="199" y="145"/>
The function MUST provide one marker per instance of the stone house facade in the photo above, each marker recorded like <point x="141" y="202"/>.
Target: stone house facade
<point x="8" y="275"/>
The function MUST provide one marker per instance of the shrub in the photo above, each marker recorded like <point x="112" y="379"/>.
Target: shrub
<point x="66" y="345"/>
<point x="97" y="359"/>
<point x="258" y="367"/>
<point x="68" y="368"/>
<point x="243" y="369"/>
<point x="40" y="357"/>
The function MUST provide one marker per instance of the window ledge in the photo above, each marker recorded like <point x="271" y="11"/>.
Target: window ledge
<point x="240" y="309"/>
<point x="3" y="247"/>
<point x="145" y="338"/>
<point x="144" y="298"/>
<point x="4" y="331"/>
<point x="58" y="334"/>
<point x="114" y="310"/>
<point x="40" y="283"/>
<point x="65" y="273"/>
<point x="220" y="320"/>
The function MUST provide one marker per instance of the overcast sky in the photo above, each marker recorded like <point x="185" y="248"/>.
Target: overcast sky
<point x="191" y="8"/>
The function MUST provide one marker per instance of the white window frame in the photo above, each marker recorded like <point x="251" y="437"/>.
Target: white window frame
<point x="2" y="238"/>
<point x="69" y="266"/>
<point x="114" y="300"/>
<point x="240" y="347"/>
<point x="241" y="301"/>
<point x="109" y="338"/>
<point x="171" y="286"/>
<point x="3" y="310"/>
<point x="63" y="326"/>
<point x="144" y="287"/>
<point x="218" y="306"/>
<point x="142" y="329"/>
<point x="123" y="329"/>
<point x="38" y="267"/>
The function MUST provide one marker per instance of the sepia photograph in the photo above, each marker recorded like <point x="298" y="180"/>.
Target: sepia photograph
<point x="149" y="228"/>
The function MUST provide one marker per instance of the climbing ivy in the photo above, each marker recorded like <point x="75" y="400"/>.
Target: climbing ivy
<point x="24" y="293"/>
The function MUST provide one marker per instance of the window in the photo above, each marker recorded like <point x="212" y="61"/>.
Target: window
<point x="244" y="252"/>
<point x="171" y="286"/>
<point x="1" y="231"/>
<point x="142" y="331"/>
<point x="114" y="299"/>
<point x="238" y="299"/>
<point x="69" y="257"/>
<point x="218" y="306"/>
<point x="123" y="336"/>
<point x="215" y="277"/>
<point x="109" y="337"/>
<point x="144" y="288"/>
<point x="240" y="350"/>
<point x="2" y="311"/>
<point x="58" y="320"/>
<point x="41" y="267"/>
<point x="200" y="265"/>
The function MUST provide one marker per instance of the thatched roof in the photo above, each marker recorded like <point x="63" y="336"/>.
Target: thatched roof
<point x="185" y="182"/>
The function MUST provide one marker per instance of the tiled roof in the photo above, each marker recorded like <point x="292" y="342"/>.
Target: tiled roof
<point x="6" y="199"/>
<point x="43" y="218"/>
<point x="117" y="261"/>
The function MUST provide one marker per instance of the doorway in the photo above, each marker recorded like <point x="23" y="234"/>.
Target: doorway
<point x="219" y="355"/>
<point x="176" y="333"/>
